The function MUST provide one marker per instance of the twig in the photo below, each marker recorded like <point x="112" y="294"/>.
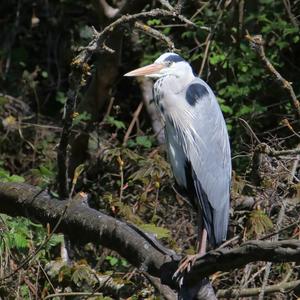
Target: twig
<point x="257" y="43"/>
<point x="294" y="167"/>
<point x="209" y="38"/>
<point x="269" y="264"/>
<point x="280" y="230"/>
<point x="245" y="279"/>
<point x="62" y="150"/>
<point x="72" y="294"/>
<point x="288" y="8"/>
<point x="283" y="287"/>
<point x="133" y="121"/>
<point x="163" y="289"/>
<point x="247" y="126"/>
<point x="156" y="34"/>
<point x="241" y="16"/>
<point x="286" y="123"/>
<point x="166" y="4"/>
<point x="177" y="10"/>
<point x="266" y="149"/>
<point x="96" y="44"/>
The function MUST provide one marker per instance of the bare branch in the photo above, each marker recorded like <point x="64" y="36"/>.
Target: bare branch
<point x="282" y="287"/>
<point x="288" y="8"/>
<point x="166" y="4"/>
<point x="266" y="149"/>
<point x="96" y="44"/>
<point x="257" y="43"/>
<point x="62" y="150"/>
<point x="84" y="224"/>
<point x="156" y="34"/>
<point x="132" y="123"/>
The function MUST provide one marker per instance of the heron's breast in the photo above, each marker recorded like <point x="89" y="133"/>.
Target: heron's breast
<point x="159" y="95"/>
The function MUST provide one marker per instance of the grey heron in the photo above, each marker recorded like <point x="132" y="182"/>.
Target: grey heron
<point x="197" y="142"/>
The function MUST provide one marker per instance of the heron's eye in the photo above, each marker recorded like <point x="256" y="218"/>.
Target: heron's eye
<point x="168" y="63"/>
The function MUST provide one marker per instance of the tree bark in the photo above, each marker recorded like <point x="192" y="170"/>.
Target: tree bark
<point x="84" y="224"/>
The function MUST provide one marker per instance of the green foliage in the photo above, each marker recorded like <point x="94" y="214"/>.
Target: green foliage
<point x="151" y="169"/>
<point x="6" y="177"/>
<point x="20" y="232"/>
<point x="144" y="141"/>
<point x="116" y="262"/>
<point x="258" y="223"/>
<point x="154" y="22"/>
<point x="44" y="174"/>
<point x="82" y="117"/>
<point x="159" y="232"/>
<point x="115" y="123"/>
<point x="61" y="97"/>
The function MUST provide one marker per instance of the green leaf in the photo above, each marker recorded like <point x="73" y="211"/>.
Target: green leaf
<point x="153" y="22"/>
<point x="4" y="175"/>
<point x="113" y="122"/>
<point x="16" y="178"/>
<point x="61" y="97"/>
<point x="82" y="117"/>
<point x="112" y="260"/>
<point x="258" y="223"/>
<point x="160" y="232"/>
<point x="216" y="58"/>
<point x="55" y="240"/>
<point x="144" y="141"/>
<point x="81" y="274"/>
<point x="131" y="143"/>
<point x="19" y="240"/>
<point x="45" y="171"/>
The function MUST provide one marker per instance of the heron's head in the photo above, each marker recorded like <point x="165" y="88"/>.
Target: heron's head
<point x="167" y="64"/>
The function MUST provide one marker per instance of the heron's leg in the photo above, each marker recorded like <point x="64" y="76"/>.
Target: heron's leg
<point x="203" y="242"/>
<point x="202" y="236"/>
<point x="189" y="260"/>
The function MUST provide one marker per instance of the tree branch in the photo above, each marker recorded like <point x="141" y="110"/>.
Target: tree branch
<point x="97" y="43"/>
<point x="251" y="251"/>
<point x="155" y="33"/>
<point x="282" y="287"/>
<point x="84" y="224"/>
<point x="257" y="43"/>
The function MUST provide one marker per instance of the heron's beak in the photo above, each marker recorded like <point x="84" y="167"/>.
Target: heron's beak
<point x="147" y="70"/>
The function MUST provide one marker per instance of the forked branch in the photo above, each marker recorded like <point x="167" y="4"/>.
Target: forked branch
<point x="84" y="224"/>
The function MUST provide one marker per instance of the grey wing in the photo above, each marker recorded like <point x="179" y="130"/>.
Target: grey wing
<point x="204" y="146"/>
<point x="211" y="161"/>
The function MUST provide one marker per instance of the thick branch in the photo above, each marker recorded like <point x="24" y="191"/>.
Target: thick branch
<point x="251" y="251"/>
<point x="84" y="224"/>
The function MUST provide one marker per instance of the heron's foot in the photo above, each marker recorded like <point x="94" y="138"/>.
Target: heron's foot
<point x="185" y="266"/>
